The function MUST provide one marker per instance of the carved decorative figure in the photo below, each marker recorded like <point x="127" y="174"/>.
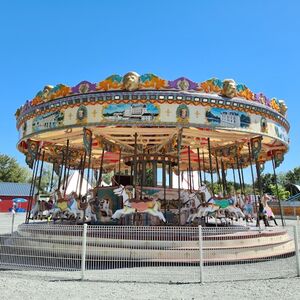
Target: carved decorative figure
<point x="45" y="93"/>
<point x="282" y="107"/>
<point x="229" y="88"/>
<point x="131" y="81"/>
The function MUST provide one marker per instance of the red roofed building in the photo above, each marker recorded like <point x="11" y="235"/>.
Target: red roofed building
<point x="10" y="191"/>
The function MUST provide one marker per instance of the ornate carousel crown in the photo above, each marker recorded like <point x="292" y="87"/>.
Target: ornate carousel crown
<point x="132" y="82"/>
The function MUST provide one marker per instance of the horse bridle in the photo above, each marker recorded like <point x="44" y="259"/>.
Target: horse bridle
<point x="189" y="200"/>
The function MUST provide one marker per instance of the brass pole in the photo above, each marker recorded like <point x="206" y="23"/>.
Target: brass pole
<point x="101" y="168"/>
<point x="239" y="173"/>
<point x="89" y="163"/>
<point x="164" y="184"/>
<point x="218" y="174"/>
<point x="210" y="166"/>
<point x="77" y="183"/>
<point x="51" y="180"/>
<point x="224" y="181"/>
<point x="189" y="169"/>
<point x="199" y="166"/>
<point x="252" y="175"/>
<point x="82" y="175"/>
<point x="41" y="172"/>
<point x="203" y="164"/>
<point x="179" y="138"/>
<point x="277" y="191"/>
<point x="234" y="180"/>
<point x="66" y="164"/>
<point x="135" y="164"/>
<point x="120" y="155"/>
<point x="31" y="192"/>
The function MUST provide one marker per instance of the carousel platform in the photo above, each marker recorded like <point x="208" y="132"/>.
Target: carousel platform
<point x="155" y="244"/>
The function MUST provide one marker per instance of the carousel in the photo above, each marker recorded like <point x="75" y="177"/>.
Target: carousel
<point x="170" y="146"/>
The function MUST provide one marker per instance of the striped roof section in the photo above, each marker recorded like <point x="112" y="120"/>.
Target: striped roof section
<point x="14" y="189"/>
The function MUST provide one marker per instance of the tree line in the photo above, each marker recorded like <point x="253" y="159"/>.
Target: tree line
<point x="11" y="171"/>
<point x="286" y="182"/>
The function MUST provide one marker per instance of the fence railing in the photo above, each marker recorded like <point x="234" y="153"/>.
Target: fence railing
<point x="152" y="254"/>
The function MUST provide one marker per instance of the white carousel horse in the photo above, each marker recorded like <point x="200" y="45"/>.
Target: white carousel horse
<point x="39" y="210"/>
<point x="203" y="189"/>
<point x="80" y="209"/>
<point x="106" y="208"/>
<point x="150" y="207"/>
<point x="71" y="208"/>
<point x="248" y="211"/>
<point x="207" y="210"/>
<point x="89" y="213"/>
<point x="230" y="210"/>
<point x="58" y="209"/>
<point x="72" y="211"/>
<point x="267" y="209"/>
<point x="210" y="206"/>
<point x="196" y="208"/>
<point x="235" y="212"/>
<point x="100" y="209"/>
<point x="35" y="210"/>
<point x="186" y="195"/>
<point x="203" y="208"/>
<point x="58" y="205"/>
<point x="229" y="205"/>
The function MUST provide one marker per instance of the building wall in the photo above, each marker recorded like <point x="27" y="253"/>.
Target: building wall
<point x="6" y="203"/>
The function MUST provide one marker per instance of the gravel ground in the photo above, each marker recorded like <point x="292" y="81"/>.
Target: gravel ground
<point x="102" y="284"/>
<point x="14" y="285"/>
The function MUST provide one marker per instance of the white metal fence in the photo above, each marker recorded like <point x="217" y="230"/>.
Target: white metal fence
<point x="151" y="253"/>
<point x="144" y="253"/>
<point x="42" y="247"/>
<point x="254" y="255"/>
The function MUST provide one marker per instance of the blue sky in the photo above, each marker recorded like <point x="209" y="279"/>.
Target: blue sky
<point x="48" y="42"/>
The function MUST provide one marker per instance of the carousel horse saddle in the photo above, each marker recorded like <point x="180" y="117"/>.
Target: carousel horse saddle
<point x="223" y="203"/>
<point x="62" y="205"/>
<point x="141" y="206"/>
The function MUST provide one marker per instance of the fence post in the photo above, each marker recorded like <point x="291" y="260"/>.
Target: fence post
<point x="296" y="241"/>
<point x="200" y="253"/>
<point x="83" y="252"/>
<point x="12" y="221"/>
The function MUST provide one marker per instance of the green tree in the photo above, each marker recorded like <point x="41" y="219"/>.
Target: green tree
<point x="46" y="179"/>
<point x="283" y="193"/>
<point x="281" y="178"/>
<point x="248" y="189"/>
<point x="289" y="179"/>
<point x="149" y="177"/>
<point x="293" y="176"/>
<point x="266" y="181"/>
<point x="11" y="171"/>
<point x="217" y="187"/>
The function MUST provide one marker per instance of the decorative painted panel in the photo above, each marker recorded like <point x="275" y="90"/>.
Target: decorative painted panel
<point x="48" y="121"/>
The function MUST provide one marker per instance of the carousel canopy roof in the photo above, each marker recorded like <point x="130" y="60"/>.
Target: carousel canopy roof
<point x="151" y="115"/>
<point x="132" y="82"/>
